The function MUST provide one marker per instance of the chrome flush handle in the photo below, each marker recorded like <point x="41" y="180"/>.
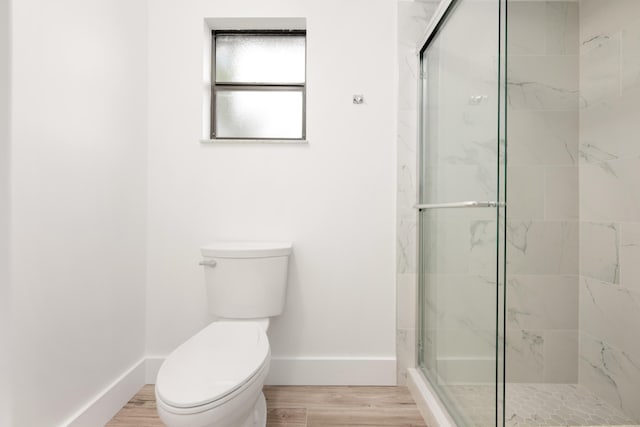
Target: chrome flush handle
<point x="208" y="263"/>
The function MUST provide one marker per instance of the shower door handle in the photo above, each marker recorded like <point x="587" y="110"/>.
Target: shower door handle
<point x="468" y="204"/>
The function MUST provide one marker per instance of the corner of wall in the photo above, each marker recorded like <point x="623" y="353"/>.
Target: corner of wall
<point x="111" y="399"/>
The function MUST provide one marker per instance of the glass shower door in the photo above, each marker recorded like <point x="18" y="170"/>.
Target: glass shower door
<point x="461" y="212"/>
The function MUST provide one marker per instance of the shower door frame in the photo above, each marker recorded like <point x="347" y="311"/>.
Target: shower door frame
<point x="438" y="21"/>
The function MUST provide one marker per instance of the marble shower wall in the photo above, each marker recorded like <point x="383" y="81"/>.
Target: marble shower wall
<point x="610" y="201"/>
<point x="413" y="18"/>
<point x="542" y="192"/>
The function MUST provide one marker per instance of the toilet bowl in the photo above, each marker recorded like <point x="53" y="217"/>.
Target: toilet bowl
<point x="215" y="378"/>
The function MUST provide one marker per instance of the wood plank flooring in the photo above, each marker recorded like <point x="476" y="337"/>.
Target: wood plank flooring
<point x="304" y="406"/>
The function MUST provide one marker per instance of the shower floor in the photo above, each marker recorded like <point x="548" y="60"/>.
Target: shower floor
<point x="530" y="405"/>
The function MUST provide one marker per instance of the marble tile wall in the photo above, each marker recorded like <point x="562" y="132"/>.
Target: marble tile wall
<point x="542" y="192"/>
<point x="413" y="18"/>
<point x="609" y="153"/>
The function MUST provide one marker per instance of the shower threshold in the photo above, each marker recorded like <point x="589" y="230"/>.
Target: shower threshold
<point x="537" y="405"/>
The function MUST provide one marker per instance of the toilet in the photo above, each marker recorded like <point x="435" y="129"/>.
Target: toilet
<point x="215" y="378"/>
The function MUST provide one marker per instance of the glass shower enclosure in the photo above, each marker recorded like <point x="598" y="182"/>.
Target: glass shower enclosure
<point x="529" y="310"/>
<point x="461" y="210"/>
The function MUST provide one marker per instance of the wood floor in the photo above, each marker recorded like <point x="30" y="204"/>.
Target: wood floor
<point x="304" y="406"/>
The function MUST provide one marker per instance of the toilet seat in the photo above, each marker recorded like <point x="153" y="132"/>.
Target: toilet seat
<point x="237" y="393"/>
<point x="213" y="366"/>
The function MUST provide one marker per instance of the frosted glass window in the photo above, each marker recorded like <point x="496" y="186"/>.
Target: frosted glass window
<point x="258" y="88"/>
<point x="259" y="58"/>
<point x="259" y="114"/>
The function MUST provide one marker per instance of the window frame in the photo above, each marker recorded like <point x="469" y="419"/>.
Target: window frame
<point x="255" y="86"/>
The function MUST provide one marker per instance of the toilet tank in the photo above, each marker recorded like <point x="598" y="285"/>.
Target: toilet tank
<point x="246" y="280"/>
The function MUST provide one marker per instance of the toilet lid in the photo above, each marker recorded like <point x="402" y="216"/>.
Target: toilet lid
<point x="213" y="363"/>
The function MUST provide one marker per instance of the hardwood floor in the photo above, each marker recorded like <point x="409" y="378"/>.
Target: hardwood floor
<point x="304" y="406"/>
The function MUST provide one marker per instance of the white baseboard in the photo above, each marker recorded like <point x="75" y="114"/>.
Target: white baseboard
<point x="110" y="400"/>
<point x="283" y="371"/>
<point x="152" y="367"/>
<point x="316" y="370"/>
<point x="429" y="404"/>
<point x="332" y="371"/>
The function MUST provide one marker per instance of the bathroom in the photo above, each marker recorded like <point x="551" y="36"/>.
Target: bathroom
<point x="110" y="185"/>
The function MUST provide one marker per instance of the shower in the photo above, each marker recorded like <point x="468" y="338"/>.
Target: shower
<point x="527" y="214"/>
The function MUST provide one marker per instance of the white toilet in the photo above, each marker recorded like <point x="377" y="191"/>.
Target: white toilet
<point x="215" y="378"/>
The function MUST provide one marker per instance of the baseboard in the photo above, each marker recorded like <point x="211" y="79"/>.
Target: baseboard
<point x="316" y="370"/>
<point x="429" y="404"/>
<point x="301" y="371"/>
<point x="152" y="367"/>
<point x="332" y="371"/>
<point x="110" y="400"/>
<point x="283" y="371"/>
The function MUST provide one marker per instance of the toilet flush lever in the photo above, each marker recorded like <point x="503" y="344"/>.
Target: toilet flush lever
<point x="208" y="263"/>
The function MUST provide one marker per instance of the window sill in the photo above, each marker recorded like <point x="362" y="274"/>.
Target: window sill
<point x="253" y="141"/>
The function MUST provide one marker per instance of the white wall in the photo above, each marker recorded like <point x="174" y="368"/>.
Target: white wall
<point x="78" y="201"/>
<point x="334" y="198"/>
<point x="5" y="413"/>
